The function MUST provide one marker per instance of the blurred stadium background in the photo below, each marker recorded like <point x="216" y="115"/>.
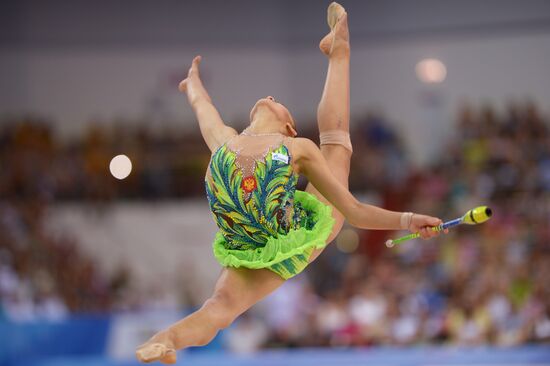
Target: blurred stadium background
<point x="450" y="103"/>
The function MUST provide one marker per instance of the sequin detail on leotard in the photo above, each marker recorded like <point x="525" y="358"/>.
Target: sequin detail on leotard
<point x="250" y="185"/>
<point x="264" y="222"/>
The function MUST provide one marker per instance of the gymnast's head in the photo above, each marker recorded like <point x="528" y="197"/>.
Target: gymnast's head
<point x="268" y="115"/>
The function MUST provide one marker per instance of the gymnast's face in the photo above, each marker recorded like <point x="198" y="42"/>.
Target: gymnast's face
<point x="270" y="106"/>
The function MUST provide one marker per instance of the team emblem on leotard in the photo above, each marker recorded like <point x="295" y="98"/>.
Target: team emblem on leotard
<point x="249" y="184"/>
<point x="279" y="157"/>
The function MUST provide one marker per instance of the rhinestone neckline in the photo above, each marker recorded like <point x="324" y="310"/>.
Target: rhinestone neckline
<point x="247" y="133"/>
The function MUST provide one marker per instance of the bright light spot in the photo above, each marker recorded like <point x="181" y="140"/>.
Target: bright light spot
<point x="431" y="71"/>
<point x="120" y="166"/>
<point x="347" y="241"/>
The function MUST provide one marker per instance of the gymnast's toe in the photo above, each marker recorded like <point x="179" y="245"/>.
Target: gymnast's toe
<point x="152" y="352"/>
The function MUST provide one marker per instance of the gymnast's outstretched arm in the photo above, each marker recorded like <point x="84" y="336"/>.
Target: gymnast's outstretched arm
<point x="310" y="162"/>
<point x="213" y="129"/>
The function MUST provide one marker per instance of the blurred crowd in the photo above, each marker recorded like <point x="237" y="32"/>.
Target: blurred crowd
<point x="487" y="284"/>
<point x="36" y="164"/>
<point x="43" y="275"/>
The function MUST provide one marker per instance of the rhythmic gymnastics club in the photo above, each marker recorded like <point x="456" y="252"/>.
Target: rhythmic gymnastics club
<point x="475" y="216"/>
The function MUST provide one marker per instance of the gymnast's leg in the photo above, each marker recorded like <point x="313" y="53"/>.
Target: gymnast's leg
<point x="236" y="291"/>
<point x="333" y="111"/>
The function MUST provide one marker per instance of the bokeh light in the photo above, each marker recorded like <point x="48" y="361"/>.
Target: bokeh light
<point x="120" y="166"/>
<point x="347" y="241"/>
<point x="431" y="71"/>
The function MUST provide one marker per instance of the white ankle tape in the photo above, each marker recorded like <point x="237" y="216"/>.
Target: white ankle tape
<point x="336" y="137"/>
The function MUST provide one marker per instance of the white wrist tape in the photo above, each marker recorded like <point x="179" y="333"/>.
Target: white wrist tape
<point x="406" y="218"/>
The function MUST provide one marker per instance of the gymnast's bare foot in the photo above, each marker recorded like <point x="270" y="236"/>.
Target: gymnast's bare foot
<point x="158" y="348"/>
<point x="336" y="43"/>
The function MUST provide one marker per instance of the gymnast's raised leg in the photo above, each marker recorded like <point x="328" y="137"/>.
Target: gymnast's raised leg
<point x="333" y="111"/>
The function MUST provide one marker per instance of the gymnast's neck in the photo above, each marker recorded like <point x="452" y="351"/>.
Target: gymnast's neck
<point x="266" y="124"/>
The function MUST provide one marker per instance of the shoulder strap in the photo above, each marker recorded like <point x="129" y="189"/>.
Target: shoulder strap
<point x="289" y="143"/>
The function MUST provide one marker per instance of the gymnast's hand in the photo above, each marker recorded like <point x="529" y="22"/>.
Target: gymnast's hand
<point x="193" y="75"/>
<point x="213" y="129"/>
<point x="422" y="224"/>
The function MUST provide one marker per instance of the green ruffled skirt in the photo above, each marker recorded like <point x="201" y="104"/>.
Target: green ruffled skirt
<point x="287" y="255"/>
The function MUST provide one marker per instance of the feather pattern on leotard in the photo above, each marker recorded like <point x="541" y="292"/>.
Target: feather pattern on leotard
<point x="264" y="222"/>
<point x="249" y="210"/>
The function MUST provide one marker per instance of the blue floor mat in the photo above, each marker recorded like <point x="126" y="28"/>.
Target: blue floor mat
<point x="416" y="356"/>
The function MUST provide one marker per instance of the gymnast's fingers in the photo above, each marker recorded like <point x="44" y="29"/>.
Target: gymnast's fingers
<point x="433" y="233"/>
<point x="434" y="222"/>
<point x="195" y="64"/>
<point x="424" y="233"/>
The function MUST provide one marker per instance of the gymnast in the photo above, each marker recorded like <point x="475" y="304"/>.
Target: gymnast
<point x="268" y="230"/>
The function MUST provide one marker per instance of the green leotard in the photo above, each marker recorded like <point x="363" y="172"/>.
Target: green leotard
<point x="264" y="222"/>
